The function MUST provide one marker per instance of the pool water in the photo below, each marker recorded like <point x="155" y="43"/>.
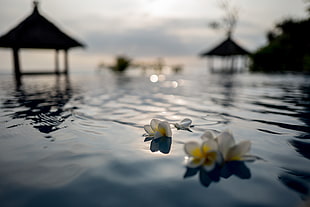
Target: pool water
<point x="78" y="141"/>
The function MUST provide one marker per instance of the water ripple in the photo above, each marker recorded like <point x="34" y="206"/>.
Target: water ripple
<point x="94" y="137"/>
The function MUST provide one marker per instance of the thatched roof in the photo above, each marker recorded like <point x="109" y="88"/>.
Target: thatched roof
<point x="37" y="32"/>
<point x="226" y="48"/>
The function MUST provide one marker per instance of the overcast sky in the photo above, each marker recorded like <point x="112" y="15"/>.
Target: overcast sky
<point x="175" y="30"/>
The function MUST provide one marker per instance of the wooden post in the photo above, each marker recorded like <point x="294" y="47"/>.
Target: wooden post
<point x="66" y="62"/>
<point x="16" y="63"/>
<point x="232" y="63"/>
<point x="247" y="62"/>
<point x="226" y="63"/>
<point x="56" y="62"/>
<point x="210" y="60"/>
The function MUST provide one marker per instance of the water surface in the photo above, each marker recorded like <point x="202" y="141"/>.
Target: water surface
<point x="78" y="141"/>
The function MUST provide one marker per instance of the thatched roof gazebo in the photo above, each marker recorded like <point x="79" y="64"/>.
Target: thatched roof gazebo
<point x="36" y="32"/>
<point x="230" y="51"/>
<point x="227" y="48"/>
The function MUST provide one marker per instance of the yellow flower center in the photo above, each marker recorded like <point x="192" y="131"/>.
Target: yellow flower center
<point x="197" y="153"/>
<point x="235" y="158"/>
<point x="162" y="131"/>
<point x="206" y="149"/>
<point x="210" y="158"/>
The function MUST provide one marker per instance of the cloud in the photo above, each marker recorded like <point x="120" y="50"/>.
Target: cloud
<point x="146" y="42"/>
<point x="154" y="38"/>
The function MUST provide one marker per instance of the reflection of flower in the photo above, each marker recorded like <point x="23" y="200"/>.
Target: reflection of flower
<point x="205" y="155"/>
<point x="185" y="124"/>
<point x="236" y="168"/>
<point x="158" y="129"/>
<point x="162" y="144"/>
<point x="228" y="147"/>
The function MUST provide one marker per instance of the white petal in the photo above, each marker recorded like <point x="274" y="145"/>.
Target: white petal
<point x="164" y="129"/>
<point x="186" y="123"/>
<point x="237" y="151"/>
<point x="225" y="141"/>
<point x="207" y="135"/>
<point x="250" y="158"/>
<point x="193" y="149"/>
<point x="194" y="162"/>
<point x="209" y="145"/>
<point x="154" y="124"/>
<point x="148" y="129"/>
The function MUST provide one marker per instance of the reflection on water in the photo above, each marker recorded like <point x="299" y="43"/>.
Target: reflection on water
<point x="162" y="144"/>
<point x="299" y="179"/>
<point x="296" y="183"/>
<point x="99" y="153"/>
<point x="37" y="104"/>
<point x="228" y="83"/>
<point x="301" y="147"/>
<point x="42" y="106"/>
<point x="236" y="168"/>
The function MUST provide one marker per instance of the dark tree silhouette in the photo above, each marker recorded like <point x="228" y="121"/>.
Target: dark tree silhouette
<point x="288" y="48"/>
<point x="229" y="20"/>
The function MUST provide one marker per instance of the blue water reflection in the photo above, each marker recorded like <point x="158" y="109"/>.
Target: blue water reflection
<point x="297" y="183"/>
<point x="236" y="168"/>
<point x="162" y="144"/>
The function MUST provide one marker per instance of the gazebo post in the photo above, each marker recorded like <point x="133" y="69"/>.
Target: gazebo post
<point x="226" y="63"/>
<point x="66" y="62"/>
<point x="56" y="62"/>
<point x="232" y="62"/>
<point x="210" y="59"/>
<point x="16" y="63"/>
<point x="247" y="61"/>
<point x="238" y="64"/>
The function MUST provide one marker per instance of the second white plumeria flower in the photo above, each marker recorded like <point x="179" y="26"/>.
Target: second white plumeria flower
<point x="232" y="151"/>
<point x="158" y="129"/>
<point x="204" y="155"/>
<point x="228" y="147"/>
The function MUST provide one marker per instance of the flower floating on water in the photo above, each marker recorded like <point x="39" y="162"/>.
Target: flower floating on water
<point x="158" y="129"/>
<point x="218" y="156"/>
<point x="204" y="155"/>
<point x="228" y="148"/>
<point x="185" y="124"/>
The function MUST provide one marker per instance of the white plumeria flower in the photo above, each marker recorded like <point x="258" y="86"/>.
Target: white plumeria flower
<point x="205" y="154"/>
<point x="228" y="147"/>
<point x="158" y="129"/>
<point x="184" y="124"/>
<point x="232" y="151"/>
